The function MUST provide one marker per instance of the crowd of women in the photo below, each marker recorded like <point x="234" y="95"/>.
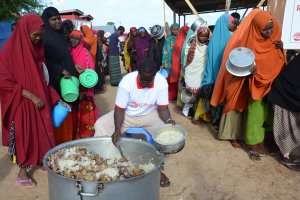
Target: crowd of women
<point x="40" y="53"/>
<point x="248" y="110"/>
<point x="258" y="112"/>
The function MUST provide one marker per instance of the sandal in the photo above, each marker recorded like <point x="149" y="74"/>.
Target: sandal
<point x="255" y="156"/>
<point x="196" y="122"/>
<point x="291" y="164"/>
<point x="164" y="180"/>
<point x="25" y="183"/>
<point x="216" y="128"/>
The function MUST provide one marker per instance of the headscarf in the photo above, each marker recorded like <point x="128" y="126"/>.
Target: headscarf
<point x="91" y="40"/>
<point x="69" y="23"/>
<point x="216" y="47"/>
<point x="156" y="48"/>
<point x="176" y="54"/>
<point x="81" y="56"/>
<point x="236" y="91"/>
<point x="100" y="42"/>
<point x="142" y="45"/>
<point x="68" y="26"/>
<point x="21" y="68"/>
<point x="57" y="51"/>
<point x="129" y="44"/>
<point x="168" y="49"/>
<point x="196" y="60"/>
<point x="100" y="34"/>
<point x="285" y="91"/>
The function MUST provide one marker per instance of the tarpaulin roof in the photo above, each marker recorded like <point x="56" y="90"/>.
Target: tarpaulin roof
<point x="206" y="6"/>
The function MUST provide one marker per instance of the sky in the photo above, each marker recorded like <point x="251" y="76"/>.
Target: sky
<point x="128" y="13"/>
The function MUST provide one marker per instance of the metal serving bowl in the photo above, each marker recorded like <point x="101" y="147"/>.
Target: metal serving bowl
<point x="187" y="97"/>
<point x="171" y="147"/>
<point x="240" y="61"/>
<point x="198" y="23"/>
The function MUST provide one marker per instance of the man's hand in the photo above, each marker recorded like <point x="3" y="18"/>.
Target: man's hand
<point x="115" y="137"/>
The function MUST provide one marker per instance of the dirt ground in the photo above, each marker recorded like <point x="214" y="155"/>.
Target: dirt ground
<point x="206" y="168"/>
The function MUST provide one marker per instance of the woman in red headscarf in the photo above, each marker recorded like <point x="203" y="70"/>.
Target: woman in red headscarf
<point x="26" y="97"/>
<point x="260" y="33"/>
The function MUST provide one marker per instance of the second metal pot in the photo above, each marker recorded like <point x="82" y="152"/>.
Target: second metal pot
<point x="170" y="148"/>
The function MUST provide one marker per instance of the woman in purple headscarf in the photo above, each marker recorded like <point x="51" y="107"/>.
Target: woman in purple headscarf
<point x="142" y="44"/>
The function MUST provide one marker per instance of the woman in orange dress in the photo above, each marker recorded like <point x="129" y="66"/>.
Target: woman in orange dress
<point x="260" y="33"/>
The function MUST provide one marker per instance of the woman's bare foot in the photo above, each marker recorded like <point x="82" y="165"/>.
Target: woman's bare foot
<point x="23" y="179"/>
<point x="259" y="148"/>
<point x="43" y="169"/>
<point x="257" y="151"/>
<point x="164" y="180"/>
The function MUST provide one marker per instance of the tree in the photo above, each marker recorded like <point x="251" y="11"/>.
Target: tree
<point x="13" y="9"/>
<point x="110" y="23"/>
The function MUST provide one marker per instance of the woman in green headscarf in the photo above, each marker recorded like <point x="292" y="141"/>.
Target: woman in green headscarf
<point x="167" y="59"/>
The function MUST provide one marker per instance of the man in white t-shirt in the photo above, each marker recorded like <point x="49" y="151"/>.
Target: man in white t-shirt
<point x="142" y="101"/>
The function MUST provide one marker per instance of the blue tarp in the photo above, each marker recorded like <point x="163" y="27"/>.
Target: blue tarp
<point x="5" y="31"/>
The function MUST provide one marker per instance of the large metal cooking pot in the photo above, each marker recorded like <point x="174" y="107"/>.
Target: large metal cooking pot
<point x="145" y="187"/>
<point x="172" y="147"/>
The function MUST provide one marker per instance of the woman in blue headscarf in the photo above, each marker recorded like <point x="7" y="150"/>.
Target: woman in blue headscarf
<point x="220" y="37"/>
<point x="167" y="58"/>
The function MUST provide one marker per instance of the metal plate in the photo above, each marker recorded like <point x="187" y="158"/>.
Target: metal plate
<point x="237" y="73"/>
<point x="241" y="57"/>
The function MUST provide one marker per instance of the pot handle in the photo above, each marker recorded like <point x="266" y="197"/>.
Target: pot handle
<point x="99" y="189"/>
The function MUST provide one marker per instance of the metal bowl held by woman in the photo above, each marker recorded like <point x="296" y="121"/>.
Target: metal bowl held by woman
<point x="157" y="31"/>
<point x="145" y="186"/>
<point x="169" y="138"/>
<point x="240" y="62"/>
<point x="198" y="23"/>
<point x="187" y="97"/>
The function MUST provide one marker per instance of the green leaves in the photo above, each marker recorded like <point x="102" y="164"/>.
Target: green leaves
<point x="14" y="9"/>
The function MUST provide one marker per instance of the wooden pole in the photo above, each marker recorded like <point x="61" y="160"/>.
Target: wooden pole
<point x="227" y="6"/>
<point x="167" y="27"/>
<point x="260" y="3"/>
<point x="164" y="7"/>
<point x="174" y="17"/>
<point x="192" y="8"/>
